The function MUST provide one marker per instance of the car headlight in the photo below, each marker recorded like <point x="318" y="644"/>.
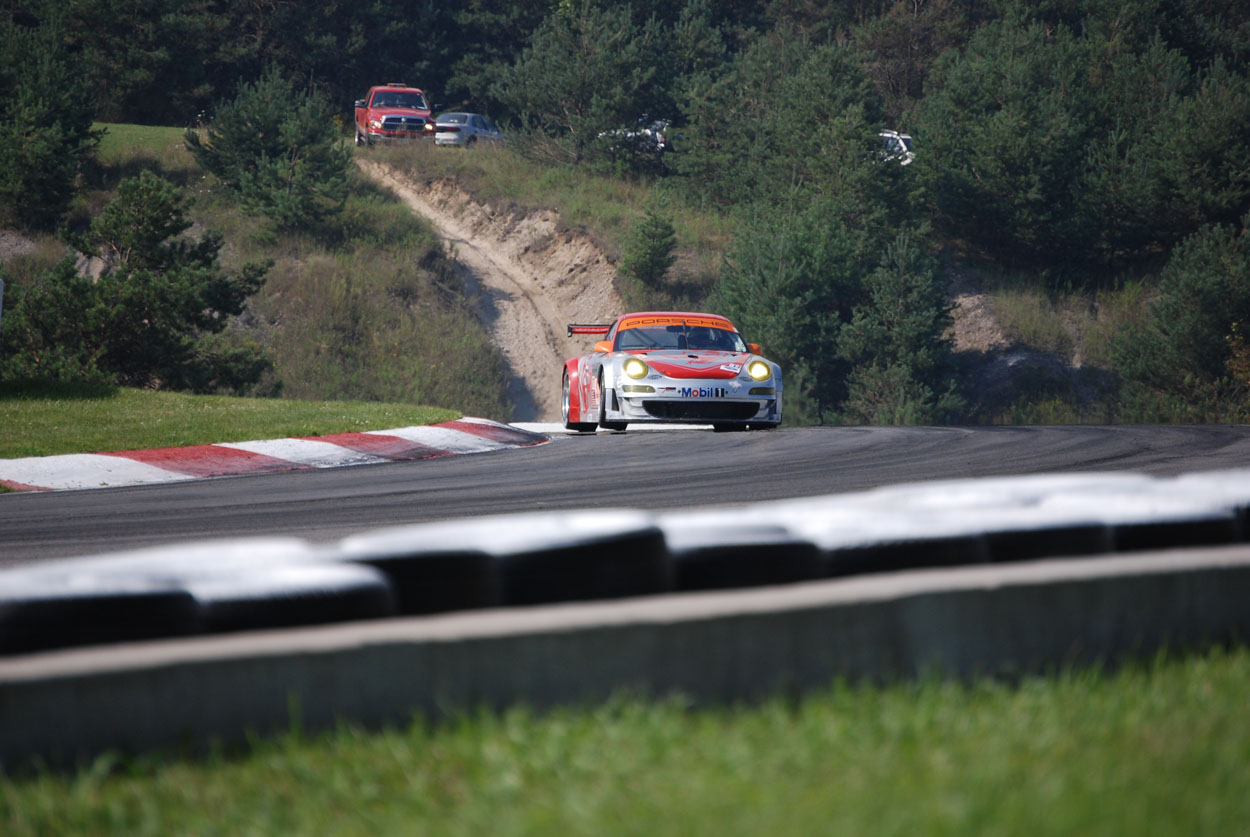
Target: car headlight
<point x="635" y="368"/>
<point x="759" y="370"/>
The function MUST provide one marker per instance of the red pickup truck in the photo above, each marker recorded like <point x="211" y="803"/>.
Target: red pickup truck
<point x="393" y="112"/>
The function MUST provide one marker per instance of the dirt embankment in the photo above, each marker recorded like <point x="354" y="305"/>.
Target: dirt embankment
<point x="529" y="280"/>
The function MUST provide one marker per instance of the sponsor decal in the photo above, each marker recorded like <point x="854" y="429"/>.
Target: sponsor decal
<point x="702" y="392"/>
<point x="732" y="367"/>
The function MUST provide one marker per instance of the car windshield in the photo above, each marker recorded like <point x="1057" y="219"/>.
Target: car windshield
<point x="680" y="337"/>
<point x="392" y="99"/>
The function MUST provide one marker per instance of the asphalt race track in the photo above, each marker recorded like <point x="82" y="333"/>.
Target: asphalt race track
<point x="645" y="470"/>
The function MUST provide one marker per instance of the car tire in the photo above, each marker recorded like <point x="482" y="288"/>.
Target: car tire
<point x="470" y="142"/>
<point x="359" y="139"/>
<point x="565" y="409"/>
<point x="603" y="410"/>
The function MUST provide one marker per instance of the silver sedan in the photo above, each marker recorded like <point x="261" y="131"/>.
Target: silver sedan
<point x="466" y="130"/>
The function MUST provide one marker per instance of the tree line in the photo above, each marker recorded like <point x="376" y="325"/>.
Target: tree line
<point x="1086" y="140"/>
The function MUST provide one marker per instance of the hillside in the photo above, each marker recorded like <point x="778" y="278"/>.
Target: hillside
<point x="529" y="276"/>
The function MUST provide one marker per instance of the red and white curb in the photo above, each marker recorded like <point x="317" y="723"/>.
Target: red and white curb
<point x="140" y="467"/>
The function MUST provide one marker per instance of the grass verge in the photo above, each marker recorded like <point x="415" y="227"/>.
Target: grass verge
<point x="48" y="419"/>
<point x="1154" y="748"/>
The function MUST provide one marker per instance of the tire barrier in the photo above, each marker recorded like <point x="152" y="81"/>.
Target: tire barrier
<point x="35" y="616"/>
<point x="552" y="557"/>
<point x="711" y="557"/>
<point x="713" y="647"/>
<point x="198" y="588"/>
<point x="528" y="559"/>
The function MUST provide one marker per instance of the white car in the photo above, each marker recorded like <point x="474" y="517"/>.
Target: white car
<point x="466" y="129"/>
<point x="670" y="367"/>
<point x="897" y="147"/>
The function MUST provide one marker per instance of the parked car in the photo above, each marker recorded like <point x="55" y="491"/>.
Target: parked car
<point x="897" y="147"/>
<point x="669" y="367"/>
<point x="465" y="129"/>
<point x="393" y="112"/>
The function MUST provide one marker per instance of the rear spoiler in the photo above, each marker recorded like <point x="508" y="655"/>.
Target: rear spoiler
<point x="588" y="328"/>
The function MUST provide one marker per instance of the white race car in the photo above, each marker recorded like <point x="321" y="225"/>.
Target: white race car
<point x="670" y="367"/>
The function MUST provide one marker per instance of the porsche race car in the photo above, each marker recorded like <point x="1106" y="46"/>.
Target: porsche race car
<point x="670" y="367"/>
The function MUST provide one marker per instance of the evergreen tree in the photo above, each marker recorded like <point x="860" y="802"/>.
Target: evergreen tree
<point x="786" y="116"/>
<point x="650" y="251"/>
<point x="896" y="342"/>
<point x="1004" y="134"/>
<point x="1182" y="362"/>
<point x="278" y="149"/>
<point x="587" y="71"/>
<point x="45" y="127"/>
<point x="790" y="282"/>
<point x="148" y="320"/>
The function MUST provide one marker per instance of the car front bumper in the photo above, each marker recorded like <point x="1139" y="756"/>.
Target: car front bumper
<point x="694" y="402"/>
<point x="398" y="136"/>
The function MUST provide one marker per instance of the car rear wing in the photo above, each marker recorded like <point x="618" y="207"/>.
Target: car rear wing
<point x="588" y="328"/>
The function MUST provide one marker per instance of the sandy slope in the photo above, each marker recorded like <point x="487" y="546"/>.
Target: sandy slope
<point x="529" y="279"/>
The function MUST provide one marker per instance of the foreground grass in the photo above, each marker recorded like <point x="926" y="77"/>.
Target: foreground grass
<point x="1160" y="748"/>
<point x="47" y="419"/>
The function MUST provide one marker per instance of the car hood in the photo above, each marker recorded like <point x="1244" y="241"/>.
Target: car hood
<point x="695" y="364"/>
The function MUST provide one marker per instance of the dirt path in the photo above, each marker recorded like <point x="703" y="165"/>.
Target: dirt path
<point x="528" y="278"/>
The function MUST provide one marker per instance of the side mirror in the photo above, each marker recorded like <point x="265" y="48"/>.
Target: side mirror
<point x="360" y="103"/>
<point x="754" y="347"/>
<point x="603" y="346"/>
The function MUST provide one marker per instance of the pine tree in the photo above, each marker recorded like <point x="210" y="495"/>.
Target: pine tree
<point x="278" y="149"/>
<point x="650" y="251"/>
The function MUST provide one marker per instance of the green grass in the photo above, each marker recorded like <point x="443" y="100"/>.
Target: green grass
<point x="47" y="419"/>
<point x="1158" y="748"/>
<point x="125" y="140"/>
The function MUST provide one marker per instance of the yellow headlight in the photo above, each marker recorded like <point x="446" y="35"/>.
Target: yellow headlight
<point x="635" y="368"/>
<point x="759" y="370"/>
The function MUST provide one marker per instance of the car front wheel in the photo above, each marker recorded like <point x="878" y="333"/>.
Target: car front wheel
<point x="603" y="409"/>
